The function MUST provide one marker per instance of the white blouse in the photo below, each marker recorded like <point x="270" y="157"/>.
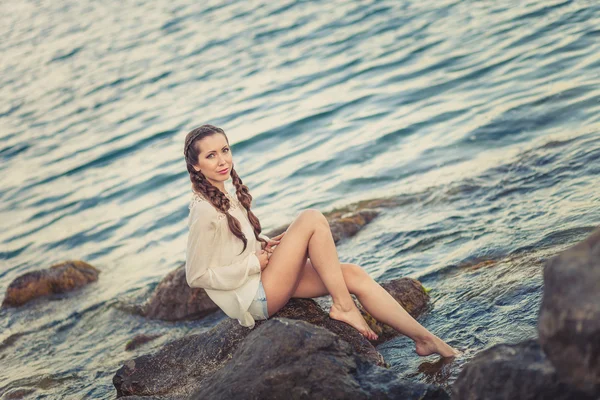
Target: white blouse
<point x="214" y="262"/>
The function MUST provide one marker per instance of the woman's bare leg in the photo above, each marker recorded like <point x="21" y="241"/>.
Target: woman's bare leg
<point x="379" y="303"/>
<point x="310" y="236"/>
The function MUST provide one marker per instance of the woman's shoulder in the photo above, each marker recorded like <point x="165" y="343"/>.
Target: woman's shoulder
<point x="200" y="205"/>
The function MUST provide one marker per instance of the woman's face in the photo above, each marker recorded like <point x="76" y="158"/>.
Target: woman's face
<point x="215" y="156"/>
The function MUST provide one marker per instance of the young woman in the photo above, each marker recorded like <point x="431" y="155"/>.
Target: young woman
<point x="251" y="276"/>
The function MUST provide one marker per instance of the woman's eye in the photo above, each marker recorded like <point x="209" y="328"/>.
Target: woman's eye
<point x="212" y="154"/>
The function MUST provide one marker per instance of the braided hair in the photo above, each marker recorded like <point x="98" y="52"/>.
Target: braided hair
<point x="213" y="194"/>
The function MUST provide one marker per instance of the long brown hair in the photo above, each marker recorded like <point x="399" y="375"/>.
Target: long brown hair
<point x="213" y="194"/>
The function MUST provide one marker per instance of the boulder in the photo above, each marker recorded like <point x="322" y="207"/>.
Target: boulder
<point x="59" y="278"/>
<point x="280" y="358"/>
<point x="183" y="361"/>
<point x="348" y="225"/>
<point x="192" y="355"/>
<point x="174" y="300"/>
<point x="507" y="372"/>
<point x="309" y="311"/>
<point x="569" y="321"/>
<point x="287" y="359"/>
<point x="181" y="365"/>
<point x="184" y="356"/>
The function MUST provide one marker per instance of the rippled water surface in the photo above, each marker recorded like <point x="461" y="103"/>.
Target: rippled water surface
<point x="482" y="117"/>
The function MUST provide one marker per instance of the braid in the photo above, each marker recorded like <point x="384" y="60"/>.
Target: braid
<point x="245" y="198"/>
<point x="210" y="192"/>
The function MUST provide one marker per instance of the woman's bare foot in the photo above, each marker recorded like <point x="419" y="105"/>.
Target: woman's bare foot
<point x="436" y="345"/>
<point x="353" y="318"/>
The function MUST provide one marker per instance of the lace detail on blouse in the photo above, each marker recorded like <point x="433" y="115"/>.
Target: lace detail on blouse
<point x="196" y="198"/>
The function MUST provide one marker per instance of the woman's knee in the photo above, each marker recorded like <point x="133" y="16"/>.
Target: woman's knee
<point x="314" y="216"/>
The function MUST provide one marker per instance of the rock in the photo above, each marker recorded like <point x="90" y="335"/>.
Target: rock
<point x="287" y="359"/>
<point x="59" y="278"/>
<point x="189" y="355"/>
<point x="139" y="340"/>
<point x="309" y="311"/>
<point x="569" y="321"/>
<point x="181" y="365"/>
<point x="199" y="355"/>
<point x="281" y="358"/>
<point x="507" y="372"/>
<point x="174" y="300"/>
<point x="349" y="224"/>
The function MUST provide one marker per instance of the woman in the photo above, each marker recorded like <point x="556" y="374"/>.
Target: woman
<point x="250" y="276"/>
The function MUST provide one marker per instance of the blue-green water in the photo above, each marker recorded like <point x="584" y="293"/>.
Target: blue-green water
<point x="484" y="117"/>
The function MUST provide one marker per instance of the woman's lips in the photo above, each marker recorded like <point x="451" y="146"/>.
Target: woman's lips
<point x="224" y="171"/>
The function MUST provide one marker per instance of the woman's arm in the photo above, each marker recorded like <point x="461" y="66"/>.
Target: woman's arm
<point x="203" y="248"/>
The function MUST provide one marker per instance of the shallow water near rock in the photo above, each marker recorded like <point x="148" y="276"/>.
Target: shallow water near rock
<point x="481" y="119"/>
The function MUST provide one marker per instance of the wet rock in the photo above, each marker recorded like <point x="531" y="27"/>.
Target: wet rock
<point x="181" y="365"/>
<point x="348" y="225"/>
<point x="174" y="300"/>
<point x="305" y="362"/>
<point x="139" y="340"/>
<point x="59" y="278"/>
<point x="191" y="354"/>
<point x="200" y="355"/>
<point x="409" y="293"/>
<point x="309" y="311"/>
<point x="507" y="372"/>
<point x="569" y="321"/>
<point x="281" y="358"/>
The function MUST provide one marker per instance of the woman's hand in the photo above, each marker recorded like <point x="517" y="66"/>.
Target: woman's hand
<point x="263" y="257"/>
<point x="269" y="248"/>
<point x="273" y="242"/>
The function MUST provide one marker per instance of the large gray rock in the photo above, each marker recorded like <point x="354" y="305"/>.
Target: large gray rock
<point x="178" y="365"/>
<point x="308" y="310"/>
<point x="279" y="359"/>
<point x="59" y="278"/>
<point x="174" y="300"/>
<point x="510" y="372"/>
<point x="287" y="359"/>
<point x="188" y="356"/>
<point x="569" y="321"/>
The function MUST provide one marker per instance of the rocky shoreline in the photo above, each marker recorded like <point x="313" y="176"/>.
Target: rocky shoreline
<point x="302" y="353"/>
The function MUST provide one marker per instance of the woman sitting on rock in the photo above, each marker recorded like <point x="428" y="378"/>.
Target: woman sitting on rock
<point x="250" y="276"/>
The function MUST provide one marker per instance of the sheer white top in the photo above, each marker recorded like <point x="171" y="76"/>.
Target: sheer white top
<point x="214" y="262"/>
